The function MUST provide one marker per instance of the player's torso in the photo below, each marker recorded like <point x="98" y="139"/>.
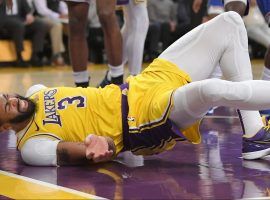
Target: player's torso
<point x="64" y="110"/>
<point x="71" y="114"/>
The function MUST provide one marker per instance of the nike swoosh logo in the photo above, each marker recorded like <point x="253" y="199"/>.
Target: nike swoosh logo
<point x="36" y="126"/>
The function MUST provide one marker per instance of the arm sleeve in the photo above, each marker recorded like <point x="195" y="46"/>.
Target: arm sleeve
<point x="33" y="89"/>
<point x="40" y="151"/>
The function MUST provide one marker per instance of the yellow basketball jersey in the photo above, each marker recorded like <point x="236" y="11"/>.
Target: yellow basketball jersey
<point x="150" y="103"/>
<point x="70" y="114"/>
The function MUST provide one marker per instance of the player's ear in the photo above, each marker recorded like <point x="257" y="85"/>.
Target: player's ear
<point x="5" y="127"/>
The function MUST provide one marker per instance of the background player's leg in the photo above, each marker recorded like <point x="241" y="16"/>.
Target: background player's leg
<point x="134" y="33"/>
<point x="78" y="13"/>
<point x="113" y="41"/>
<point x="222" y="40"/>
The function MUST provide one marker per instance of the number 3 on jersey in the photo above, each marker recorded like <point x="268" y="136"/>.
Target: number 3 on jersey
<point x="79" y="101"/>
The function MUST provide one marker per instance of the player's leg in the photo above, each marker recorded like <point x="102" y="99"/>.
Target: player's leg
<point x="239" y="6"/>
<point x="199" y="51"/>
<point x="78" y="12"/>
<point x="113" y="41"/>
<point x="134" y="33"/>
<point x="193" y="100"/>
<point x="222" y="40"/>
<point x="266" y="75"/>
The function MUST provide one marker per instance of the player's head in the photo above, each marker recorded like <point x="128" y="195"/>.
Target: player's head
<point x="14" y="110"/>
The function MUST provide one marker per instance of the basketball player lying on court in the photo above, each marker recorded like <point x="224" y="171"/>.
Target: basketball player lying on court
<point x="148" y="114"/>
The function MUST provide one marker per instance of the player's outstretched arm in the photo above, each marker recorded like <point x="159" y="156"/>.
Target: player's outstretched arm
<point x="94" y="149"/>
<point x="71" y="153"/>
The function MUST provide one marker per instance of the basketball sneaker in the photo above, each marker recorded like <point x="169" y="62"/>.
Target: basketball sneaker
<point x="257" y="146"/>
<point x="83" y="84"/>
<point x="114" y="80"/>
<point x="265" y="112"/>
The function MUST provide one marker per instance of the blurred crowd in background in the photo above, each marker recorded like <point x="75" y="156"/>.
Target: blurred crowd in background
<point x="45" y="23"/>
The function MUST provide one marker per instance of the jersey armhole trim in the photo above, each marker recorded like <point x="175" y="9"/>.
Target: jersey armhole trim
<point x="54" y="137"/>
<point x="19" y="140"/>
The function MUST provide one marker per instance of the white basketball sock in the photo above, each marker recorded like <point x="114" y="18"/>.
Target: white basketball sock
<point x="80" y="77"/>
<point x="252" y="122"/>
<point x="115" y="71"/>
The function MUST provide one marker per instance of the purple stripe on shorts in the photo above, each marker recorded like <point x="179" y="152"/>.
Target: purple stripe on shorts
<point x="125" y="109"/>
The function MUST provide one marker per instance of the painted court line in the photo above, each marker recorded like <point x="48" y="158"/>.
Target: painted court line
<point x="257" y="198"/>
<point x="20" y="187"/>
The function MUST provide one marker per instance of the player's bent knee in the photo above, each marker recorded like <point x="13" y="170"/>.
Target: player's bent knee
<point x="234" y="18"/>
<point x="237" y="27"/>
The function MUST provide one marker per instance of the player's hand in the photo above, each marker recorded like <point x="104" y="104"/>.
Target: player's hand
<point x="97" y="148"/>
<point x="29" y="19"/>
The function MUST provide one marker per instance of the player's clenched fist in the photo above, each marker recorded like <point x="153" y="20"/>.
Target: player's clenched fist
<point x="98" y="148"/>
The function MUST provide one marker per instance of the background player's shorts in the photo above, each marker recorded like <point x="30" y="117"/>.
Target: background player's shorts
<point x="150" y="102"/>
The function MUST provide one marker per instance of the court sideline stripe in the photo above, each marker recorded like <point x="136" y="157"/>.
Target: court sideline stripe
<point x="21" y="187"/>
